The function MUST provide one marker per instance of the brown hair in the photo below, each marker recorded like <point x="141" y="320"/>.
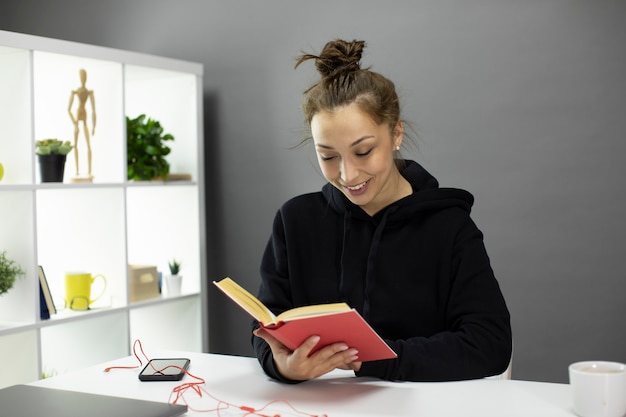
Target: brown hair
<point x="344" y="82"/>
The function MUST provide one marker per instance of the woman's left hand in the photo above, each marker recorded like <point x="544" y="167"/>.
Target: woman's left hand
<point x="299" y="365"/>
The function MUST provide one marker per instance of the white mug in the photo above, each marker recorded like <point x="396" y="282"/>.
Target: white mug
<point x="598" y="388"/>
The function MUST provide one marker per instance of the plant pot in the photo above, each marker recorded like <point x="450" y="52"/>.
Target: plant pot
<point x="173" y="283"/>
<point x="51" y="167"/>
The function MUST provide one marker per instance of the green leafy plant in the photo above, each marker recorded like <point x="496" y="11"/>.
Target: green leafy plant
<point x="9" y="271"/>
<point x="52" y="147"/>
<point x="146" y="149"/>
<point x="174" y="266"/>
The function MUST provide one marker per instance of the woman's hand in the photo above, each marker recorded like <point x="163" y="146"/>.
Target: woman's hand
<point x="298" y="366"/>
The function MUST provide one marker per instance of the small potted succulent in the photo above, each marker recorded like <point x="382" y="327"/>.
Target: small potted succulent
<point x="51" y="155"/>
<point x="174" y="280"/>
<point x="9" y="271"/>
<point x="174" y="266"/>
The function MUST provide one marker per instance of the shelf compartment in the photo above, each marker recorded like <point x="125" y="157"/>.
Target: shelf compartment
<point x="81" y="343"/>
<point x="18" y="350"/>
<point x="55" y="76"/>
<point x="19" y="304"/>
<point x="163" y="223"/>
<point x="171" y="98"/>
<point x="82" y="229"/>
<point x="15" y="106"/>
<point x="172" y="325"/>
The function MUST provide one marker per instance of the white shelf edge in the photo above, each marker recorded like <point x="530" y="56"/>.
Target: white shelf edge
<point x="63" y="318"/>
<point x="60" y="46"/>
<point x="68" y="186"/>
<point x="69" y="317"/>
<point x="7" y="329"/>
<point x="162" y="300"/>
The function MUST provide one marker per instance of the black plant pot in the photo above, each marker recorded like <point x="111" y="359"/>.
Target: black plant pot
<point x="51" y="167"/>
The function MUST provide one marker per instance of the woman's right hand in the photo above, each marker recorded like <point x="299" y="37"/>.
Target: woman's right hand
<point x="297" y="365"/>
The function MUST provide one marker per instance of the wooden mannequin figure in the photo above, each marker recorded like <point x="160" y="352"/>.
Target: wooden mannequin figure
<point x="83" y="94"/>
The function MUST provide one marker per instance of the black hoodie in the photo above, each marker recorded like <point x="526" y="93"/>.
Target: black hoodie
<point x="417" y="271"/>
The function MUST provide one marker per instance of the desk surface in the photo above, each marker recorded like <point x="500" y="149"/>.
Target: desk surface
<point x="240" y="381"/>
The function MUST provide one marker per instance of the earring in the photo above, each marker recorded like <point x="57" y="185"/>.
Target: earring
<point x="397" y="148"/>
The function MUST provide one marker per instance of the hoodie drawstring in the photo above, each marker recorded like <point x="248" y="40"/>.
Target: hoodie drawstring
<point x="371" y="258"/>
<point x="347" y="220"/>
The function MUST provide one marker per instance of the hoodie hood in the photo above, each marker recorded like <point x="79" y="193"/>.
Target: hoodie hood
<point x="426" y="196"/>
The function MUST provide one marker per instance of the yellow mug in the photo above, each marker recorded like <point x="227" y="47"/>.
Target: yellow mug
<point x="78" y="289"/>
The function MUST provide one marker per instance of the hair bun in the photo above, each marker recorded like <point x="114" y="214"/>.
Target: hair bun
<point x="340" y="57"/>
<point x="337" y="57"/>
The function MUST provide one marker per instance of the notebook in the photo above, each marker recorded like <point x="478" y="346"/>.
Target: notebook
<point x="33" y="401"/>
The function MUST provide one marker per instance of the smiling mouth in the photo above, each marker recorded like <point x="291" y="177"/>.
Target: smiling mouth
<point x="356" y="189"/>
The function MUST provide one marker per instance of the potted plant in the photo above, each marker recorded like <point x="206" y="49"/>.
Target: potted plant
<point x="51" y="155"/>
<point x="9" y="271"/>
<point x="174" y="266"/>
<point x="146" y="149"/>
<point x="174" y="280"/>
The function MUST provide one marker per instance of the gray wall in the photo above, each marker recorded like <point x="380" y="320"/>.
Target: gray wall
<point x="523" y="103"/>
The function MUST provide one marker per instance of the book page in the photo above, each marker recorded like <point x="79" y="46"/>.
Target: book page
<point x="315" y="310"/>
<point x="247" y="301"/>
<point x="262" y="314"/>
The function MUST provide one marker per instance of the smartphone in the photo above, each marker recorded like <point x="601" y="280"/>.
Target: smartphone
<point x="167" y="369"/>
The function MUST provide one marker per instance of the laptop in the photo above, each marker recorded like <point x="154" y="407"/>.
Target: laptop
<point x="34" y="401"/>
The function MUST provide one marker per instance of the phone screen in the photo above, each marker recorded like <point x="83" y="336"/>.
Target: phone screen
<point x="167" y="369"/>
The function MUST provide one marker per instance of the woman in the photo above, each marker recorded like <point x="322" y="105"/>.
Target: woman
<point x="384" y="238"/>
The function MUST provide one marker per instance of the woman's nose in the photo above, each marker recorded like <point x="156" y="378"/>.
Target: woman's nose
<point x="349" y="171"/>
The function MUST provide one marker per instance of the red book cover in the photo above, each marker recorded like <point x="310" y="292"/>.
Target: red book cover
<point x="347" y="327"/>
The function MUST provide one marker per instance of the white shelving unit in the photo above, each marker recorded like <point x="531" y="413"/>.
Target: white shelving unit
<point x="103" y="226"/>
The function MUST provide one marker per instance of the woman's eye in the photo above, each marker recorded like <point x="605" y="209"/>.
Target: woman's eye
<point x="365" y="153"/>
<point x="327" y="157"/>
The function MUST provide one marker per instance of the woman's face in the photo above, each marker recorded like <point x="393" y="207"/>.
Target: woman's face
<point x="356" y="156"/>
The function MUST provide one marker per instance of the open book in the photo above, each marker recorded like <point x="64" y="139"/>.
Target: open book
<point x="333" y="323"/>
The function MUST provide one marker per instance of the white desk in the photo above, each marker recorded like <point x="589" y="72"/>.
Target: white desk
<point x="241" y="381"/>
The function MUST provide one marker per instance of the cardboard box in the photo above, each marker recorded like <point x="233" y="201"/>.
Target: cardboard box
<point x="143" y="282"/>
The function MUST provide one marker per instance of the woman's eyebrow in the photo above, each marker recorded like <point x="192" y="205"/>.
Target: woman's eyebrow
<point x="353" y="144"/>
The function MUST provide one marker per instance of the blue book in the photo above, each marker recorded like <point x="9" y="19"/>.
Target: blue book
<point x="46" y="304"/>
